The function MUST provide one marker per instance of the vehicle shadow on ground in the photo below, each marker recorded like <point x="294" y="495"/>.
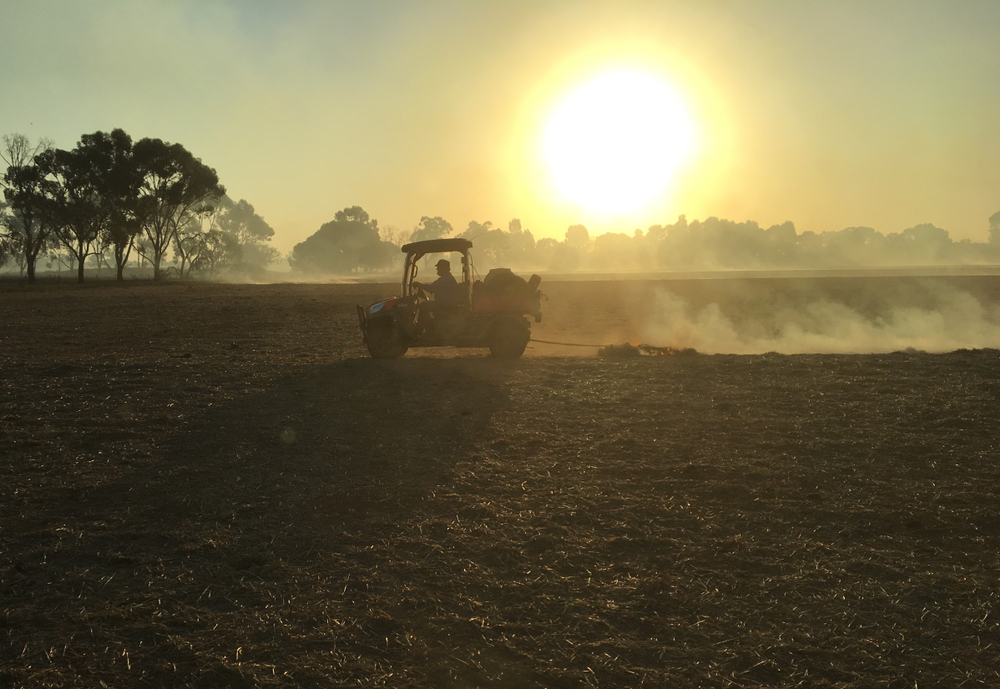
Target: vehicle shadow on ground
<point x="291" y="494"/>
<point x="344" y="440"/>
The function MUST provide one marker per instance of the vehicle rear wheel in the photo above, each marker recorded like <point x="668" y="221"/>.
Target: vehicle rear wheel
<point x="384" y="340"/>
<point x="508" y="340"/>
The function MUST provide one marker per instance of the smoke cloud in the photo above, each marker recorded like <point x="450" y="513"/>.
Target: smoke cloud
<point x="943" y="320"/>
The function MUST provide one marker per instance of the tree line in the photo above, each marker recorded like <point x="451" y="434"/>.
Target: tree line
<point x="353" y="242"/>
<point x="110" y="195"/>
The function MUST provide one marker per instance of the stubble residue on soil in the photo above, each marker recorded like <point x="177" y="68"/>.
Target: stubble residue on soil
<point x="209" y="485"/>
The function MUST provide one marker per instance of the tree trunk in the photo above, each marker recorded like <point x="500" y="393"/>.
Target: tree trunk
<point x="156" y="266"/>
<point x="31" y="270"/>
<point x="79" y="270"/>
<point x="121" y="258"/>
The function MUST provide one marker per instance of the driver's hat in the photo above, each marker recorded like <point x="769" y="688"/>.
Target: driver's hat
<point x="443" y="262"/>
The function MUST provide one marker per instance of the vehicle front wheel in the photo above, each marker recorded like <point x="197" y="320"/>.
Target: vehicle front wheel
<point x="508" y="340"/>
<point x="384" y="340"/>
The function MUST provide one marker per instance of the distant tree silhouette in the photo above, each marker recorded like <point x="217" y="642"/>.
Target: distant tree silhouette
<point x="28" y="193"/>
<point x="920" y="245"/>
<point x="613" y="251"/>
<point x="577" y="236"/>
<point x="495" y="247"/>
<point x="521" y="245"/>
<point x="216" y="249"/>
<point x="491" y="243"/>
<point x="545" y="253"/>
<point x="430" y="228"/>
<point x="233" y="237"/>
<point x="348" y="243"/>
<point x="250" y="235"/>
<point x="394" y="235"/>
<point x="569" y="255"/>
<point x="995" y="229"/>
<point x="176" y="187"/>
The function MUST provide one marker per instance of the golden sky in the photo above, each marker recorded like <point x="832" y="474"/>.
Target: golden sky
<point x="828" y="114"/>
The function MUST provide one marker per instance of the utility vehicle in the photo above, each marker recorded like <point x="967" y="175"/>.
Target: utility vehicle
<point x="488" y="313"/>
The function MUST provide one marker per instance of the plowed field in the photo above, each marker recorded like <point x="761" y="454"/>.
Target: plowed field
<point x="212" y="485"/>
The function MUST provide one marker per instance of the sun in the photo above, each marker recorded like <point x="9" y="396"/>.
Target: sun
<point x="614" y="144"/>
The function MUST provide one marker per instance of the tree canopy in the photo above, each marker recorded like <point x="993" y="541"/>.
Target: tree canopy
<point x="348" y="243"/>
<point x="430" y="228"/>
<point x="108" y="193"/>
<point x="28" y="193"/>
<point x="176" y="187"/>
<point x="232" y="238"/>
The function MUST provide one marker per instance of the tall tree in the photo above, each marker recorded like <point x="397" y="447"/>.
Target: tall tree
<point x="119" y="180"/>
<point x="250" y="233"/>
<point x="176" y="187"/>
<point x="97" y="203"/>
<point x="75" y="204"/>
<point x="27" y="191"/>
<point x="188" y="243"/>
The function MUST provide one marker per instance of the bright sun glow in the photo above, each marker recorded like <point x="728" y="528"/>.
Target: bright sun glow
<point x="614" y="144"/>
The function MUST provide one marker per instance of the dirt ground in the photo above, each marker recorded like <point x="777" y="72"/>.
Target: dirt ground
<point x="212" y="485"/>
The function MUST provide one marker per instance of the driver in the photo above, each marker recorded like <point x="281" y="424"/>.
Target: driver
<point x="445" y="290"/>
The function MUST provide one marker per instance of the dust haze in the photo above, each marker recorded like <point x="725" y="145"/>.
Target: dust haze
<point x="932" y="318"/>
<point x="788" y="315"/>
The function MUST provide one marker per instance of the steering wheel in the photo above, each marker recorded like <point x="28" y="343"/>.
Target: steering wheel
<point x="420" y="292"/>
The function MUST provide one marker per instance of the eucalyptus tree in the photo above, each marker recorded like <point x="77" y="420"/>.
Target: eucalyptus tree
<point x="189" y="243"/>
<point x="176" y="187"/>
<point x="77" y="209"/>
<point x="119" y="180"/>
<point x="28" y="193"/>
<point x="217" y="250"/>
<point x="250" y="233"/>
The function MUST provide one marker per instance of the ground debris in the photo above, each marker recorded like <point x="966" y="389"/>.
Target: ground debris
<point x="628" y="351"/>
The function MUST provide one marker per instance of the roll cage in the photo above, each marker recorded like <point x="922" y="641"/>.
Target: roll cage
<point x="416" y="250"/>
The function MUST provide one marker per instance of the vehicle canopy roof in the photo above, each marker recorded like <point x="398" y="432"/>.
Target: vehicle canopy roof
<point x="437" y="245"/>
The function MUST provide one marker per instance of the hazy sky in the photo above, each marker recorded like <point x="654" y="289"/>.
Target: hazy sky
<point x="828" y="114"/>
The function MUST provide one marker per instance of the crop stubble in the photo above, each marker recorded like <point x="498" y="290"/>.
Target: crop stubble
<point x="210" y="485"/>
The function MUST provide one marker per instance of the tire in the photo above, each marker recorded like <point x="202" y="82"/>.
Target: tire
<point x="508" y="339"/>
<point x="383" y="340"/>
